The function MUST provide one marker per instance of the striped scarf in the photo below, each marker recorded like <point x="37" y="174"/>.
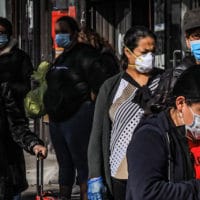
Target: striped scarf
<point x="126" y="117"/>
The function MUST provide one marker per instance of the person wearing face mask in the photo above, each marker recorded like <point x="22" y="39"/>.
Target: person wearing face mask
<point x="191" y="27"/>
<point x="160" y="164"/>
<point x="69" y="105"/>
<point x="15" y="65"/>
<point x="14" y="133"/>
<point x="119" y="107"/>
<point x="16" y="69"/>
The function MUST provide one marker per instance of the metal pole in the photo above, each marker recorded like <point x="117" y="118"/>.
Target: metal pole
<point x="167" y="32"/>
<point x="36" y="48"/>
<point x="36" y="32"/>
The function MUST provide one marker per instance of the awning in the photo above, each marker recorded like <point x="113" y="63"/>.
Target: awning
<point x="97" y="0"/>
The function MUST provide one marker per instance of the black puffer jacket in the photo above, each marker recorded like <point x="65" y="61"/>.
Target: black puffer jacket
<point x="13" y="131"/>
<point x="16" y="68"/>
<point x="68" y="82"/>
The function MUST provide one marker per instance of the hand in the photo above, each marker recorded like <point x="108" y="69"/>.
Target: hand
<point x="96" y="189"/>
<point x="40" y="149"/>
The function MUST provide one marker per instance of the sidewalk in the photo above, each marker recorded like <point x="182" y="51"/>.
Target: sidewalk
<point x="50" y="177"/>
<point x="31" y="192"/>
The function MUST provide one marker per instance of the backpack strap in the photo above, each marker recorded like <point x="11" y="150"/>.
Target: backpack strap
<point x="170" y="163"/>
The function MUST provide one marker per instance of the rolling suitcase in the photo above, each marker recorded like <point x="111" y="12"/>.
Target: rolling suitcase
<point x="41" y="195"/>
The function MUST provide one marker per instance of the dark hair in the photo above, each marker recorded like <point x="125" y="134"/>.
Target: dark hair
<point x="67" y="23"/>
<point x="131" y="39"/>
<point x="7" y="25"/>
<point x="194" y="32"/>
<point x="103" y="67"/>
<point x="188" y="85"/>
<point x="93" y="38"/>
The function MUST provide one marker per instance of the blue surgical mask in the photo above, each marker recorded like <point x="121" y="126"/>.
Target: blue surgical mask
<point x="195" y="49"/>
<point x="63" y="39"/>
<point x="4" y="39"/>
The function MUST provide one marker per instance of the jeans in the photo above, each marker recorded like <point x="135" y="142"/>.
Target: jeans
<point x="17" y="197"/>
<point x="70" y="139"/>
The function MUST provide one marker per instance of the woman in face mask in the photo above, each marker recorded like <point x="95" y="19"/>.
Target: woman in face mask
<point x="160" y="164"/>
<point x="119" y="108"/>
<point x="69" y="106"/>
<point x="16" y="69"/>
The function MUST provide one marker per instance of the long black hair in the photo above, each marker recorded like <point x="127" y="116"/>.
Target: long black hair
<point x="131" y="39"/>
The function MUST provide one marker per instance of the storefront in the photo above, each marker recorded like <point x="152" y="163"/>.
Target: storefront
<point x="2" y="8"/>
<point x="168" y="18"/>
<point x="32" y="21"/>
<point x="33" y="24"/>
<point x="111" y="19"/>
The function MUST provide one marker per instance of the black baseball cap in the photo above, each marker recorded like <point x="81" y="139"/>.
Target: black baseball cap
<point x="191" y="19"/>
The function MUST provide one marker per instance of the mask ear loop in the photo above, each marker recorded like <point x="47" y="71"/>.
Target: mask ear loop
<point x="130" y="65"/>
<point x="192" y="111"/>
<point x="188" y="134"/>
<point x="130" y="51"/>
<point x="180" y="116"/>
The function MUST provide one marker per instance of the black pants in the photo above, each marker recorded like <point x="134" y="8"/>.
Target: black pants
<point x="119" y="189"/>
<point x="70" y="140"/>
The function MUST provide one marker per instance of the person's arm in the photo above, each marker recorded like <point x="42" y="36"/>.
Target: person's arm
<point x="18" y="124"/>
<point x="148" y="167"/>
<point x="95" y="159"/>
<point x="96" y="187"/>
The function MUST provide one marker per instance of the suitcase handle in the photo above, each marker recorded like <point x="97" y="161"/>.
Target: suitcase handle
<point x="39" y="174"/>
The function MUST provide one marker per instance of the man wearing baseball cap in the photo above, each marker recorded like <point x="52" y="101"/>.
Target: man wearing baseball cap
<point x="191" y="26"/>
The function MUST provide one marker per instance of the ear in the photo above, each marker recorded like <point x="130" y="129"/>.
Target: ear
<point x="188" y="43"/>
<point x="180" y="101"/>
<point x="127" y="52"/>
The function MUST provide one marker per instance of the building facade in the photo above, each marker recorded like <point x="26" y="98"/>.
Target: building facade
<point x="32" y="21"/>
<point x="112" y="18"/>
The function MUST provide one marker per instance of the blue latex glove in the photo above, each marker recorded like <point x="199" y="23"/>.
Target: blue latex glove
<point x="96" y="189"/>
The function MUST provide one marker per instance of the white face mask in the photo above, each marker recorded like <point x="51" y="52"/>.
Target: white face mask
<point x="145" y="62"/>
<point x="194" y="128"/>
